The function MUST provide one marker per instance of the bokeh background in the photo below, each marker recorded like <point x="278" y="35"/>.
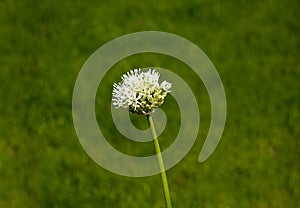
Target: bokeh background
<point x="253" y="44"/>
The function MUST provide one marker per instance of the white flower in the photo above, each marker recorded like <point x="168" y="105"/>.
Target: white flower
<point x="140" y="91"/>
<point x="166" y="86"/>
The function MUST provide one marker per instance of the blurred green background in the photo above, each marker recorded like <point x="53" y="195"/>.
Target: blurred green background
<point x="255" y="48"/>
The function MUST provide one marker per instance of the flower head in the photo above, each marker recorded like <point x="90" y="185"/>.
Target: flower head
<point x="140" y="91"/>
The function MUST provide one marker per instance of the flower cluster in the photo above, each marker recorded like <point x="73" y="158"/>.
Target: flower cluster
<point x="140" y="91"/>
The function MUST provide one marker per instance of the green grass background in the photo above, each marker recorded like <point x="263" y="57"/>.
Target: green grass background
<point x="255" y="48"/>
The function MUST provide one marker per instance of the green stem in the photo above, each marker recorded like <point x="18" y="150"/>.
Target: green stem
<point x="161" y="163"/>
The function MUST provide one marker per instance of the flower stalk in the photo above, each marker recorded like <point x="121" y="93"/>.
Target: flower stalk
<point x="141" y="93"/>
<point x="160" y="163"/>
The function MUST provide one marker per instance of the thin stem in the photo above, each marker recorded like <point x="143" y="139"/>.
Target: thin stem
<point x="161" y="163"/>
